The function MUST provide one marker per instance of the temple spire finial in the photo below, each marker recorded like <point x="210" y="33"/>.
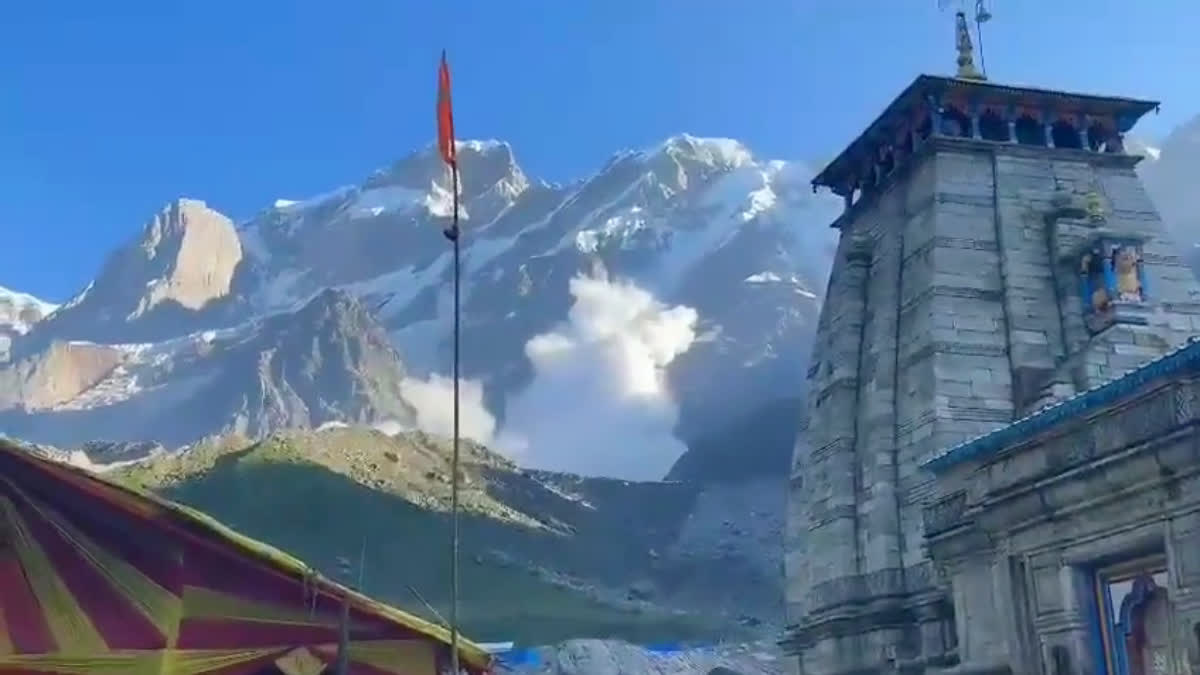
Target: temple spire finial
<point x="966" y="55"/>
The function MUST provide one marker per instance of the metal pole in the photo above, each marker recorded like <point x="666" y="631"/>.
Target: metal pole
<point x="341" y="665"/>
<point x="454" y="237"/>
<point x="979" y="33"/>
<point x="982" y="16"/>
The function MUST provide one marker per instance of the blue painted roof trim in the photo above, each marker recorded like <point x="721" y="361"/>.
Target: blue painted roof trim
<point x="1186" y="357"/>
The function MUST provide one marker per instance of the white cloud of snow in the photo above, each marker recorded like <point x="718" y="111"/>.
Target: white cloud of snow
<point x="599" y="403"/>
<point x="433" y="399"/>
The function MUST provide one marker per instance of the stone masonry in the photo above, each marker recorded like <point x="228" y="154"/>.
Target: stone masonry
<point x="953" y="308"/>
<point x="1022" y="525"/>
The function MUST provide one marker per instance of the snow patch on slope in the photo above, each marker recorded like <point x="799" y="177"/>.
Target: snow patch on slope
<point x="20" y="311"/>
<point x="726" y="152"/>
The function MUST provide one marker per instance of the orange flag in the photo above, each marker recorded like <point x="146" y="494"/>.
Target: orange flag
<point x="445" y="116"/>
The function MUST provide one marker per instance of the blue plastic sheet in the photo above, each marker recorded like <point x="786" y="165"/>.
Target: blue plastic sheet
<point x="520" y="657"/>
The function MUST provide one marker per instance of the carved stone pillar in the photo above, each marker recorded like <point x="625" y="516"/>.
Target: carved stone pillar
<point x="935" y="116"/>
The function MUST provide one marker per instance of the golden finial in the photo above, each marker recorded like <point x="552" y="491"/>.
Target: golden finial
<point x="966" y="57"/>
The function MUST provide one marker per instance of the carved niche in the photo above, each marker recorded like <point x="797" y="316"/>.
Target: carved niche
<point x="1111" y="274"/>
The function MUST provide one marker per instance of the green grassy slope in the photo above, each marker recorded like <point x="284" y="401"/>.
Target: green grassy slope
<point x="323" y="495"/>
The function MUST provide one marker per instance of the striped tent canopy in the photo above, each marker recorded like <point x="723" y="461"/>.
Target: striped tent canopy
<point x="100" y="578"/>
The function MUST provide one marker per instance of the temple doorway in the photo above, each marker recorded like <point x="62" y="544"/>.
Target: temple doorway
<point x="1135" y="619"/>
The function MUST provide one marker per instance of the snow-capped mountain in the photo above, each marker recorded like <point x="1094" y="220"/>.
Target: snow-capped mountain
<point x="329" y="361"/>
<point x="18" y="313"/>
<point x="670" y="292"/>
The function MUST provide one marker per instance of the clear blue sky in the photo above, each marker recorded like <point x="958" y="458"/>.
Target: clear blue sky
<point x="110" y="109"/>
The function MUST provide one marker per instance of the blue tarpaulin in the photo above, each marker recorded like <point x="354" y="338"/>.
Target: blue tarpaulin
<point x="520" y="657"/>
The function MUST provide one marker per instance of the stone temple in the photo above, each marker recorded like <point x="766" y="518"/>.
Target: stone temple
<point x="1000" y="468"/>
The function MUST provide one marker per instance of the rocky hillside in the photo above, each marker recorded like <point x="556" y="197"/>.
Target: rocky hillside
<point x="545" y="556"/>
<point x="328" y="361"/>
<point x="627" y="293"/>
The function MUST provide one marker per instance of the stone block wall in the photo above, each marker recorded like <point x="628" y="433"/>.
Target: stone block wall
<point x="1039" y="517"/>
<point x="948" y="315"/>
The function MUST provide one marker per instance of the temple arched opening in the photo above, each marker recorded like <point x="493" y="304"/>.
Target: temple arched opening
<point x="955" y="123"/>
<point x="1029" y="131"/>
<point x="925" y="128"/>
<point x="1065" y="135"/>
<point x="993" y="127"/>
<point x="1097" y="134"/>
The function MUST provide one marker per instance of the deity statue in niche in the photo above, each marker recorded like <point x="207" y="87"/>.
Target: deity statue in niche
<point x="1145" y="628"/>
<point x="1092" y="270"/>
<point x="1126" y="264"/>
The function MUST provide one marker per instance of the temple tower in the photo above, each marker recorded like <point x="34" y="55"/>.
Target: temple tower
<point x="997" y="253"/>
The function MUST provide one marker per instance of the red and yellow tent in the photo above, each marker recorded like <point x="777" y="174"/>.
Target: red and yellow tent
<point x="100" y="578"/>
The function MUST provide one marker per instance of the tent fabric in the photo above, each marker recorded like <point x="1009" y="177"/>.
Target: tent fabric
<point x="100" y="578"/>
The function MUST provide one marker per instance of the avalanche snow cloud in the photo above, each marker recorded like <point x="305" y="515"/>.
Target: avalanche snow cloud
<point x="433" y="399"/>
<point x="599" y="404"/>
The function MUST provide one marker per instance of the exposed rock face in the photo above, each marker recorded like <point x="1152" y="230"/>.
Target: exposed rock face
<point x="197" y="251"/>
<point x="328" y="361"/>
<point x="734" y="530"/>
<point x="176" y="276"/>
<point x="57" y="375"/>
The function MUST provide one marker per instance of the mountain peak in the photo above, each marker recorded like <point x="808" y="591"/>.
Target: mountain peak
<point x="486" y="168"/>
<point x="183" y="262"/>
<point x="723" y="152"/>
<point x="337" y="305"/>
<point x="484" y="147"/>
<point x="19" y="311"/>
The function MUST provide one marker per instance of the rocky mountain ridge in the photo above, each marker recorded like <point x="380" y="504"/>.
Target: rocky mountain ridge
<point x="700" y="224"/>
<point x="329" y="361"/>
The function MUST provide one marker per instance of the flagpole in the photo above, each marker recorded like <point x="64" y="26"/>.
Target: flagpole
<point x="454" y="238"/>
<point x="446" y="146"/>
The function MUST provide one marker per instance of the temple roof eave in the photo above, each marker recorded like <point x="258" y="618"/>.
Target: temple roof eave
<point x="1186" y="357"/>
<point x="835" y="175"/>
